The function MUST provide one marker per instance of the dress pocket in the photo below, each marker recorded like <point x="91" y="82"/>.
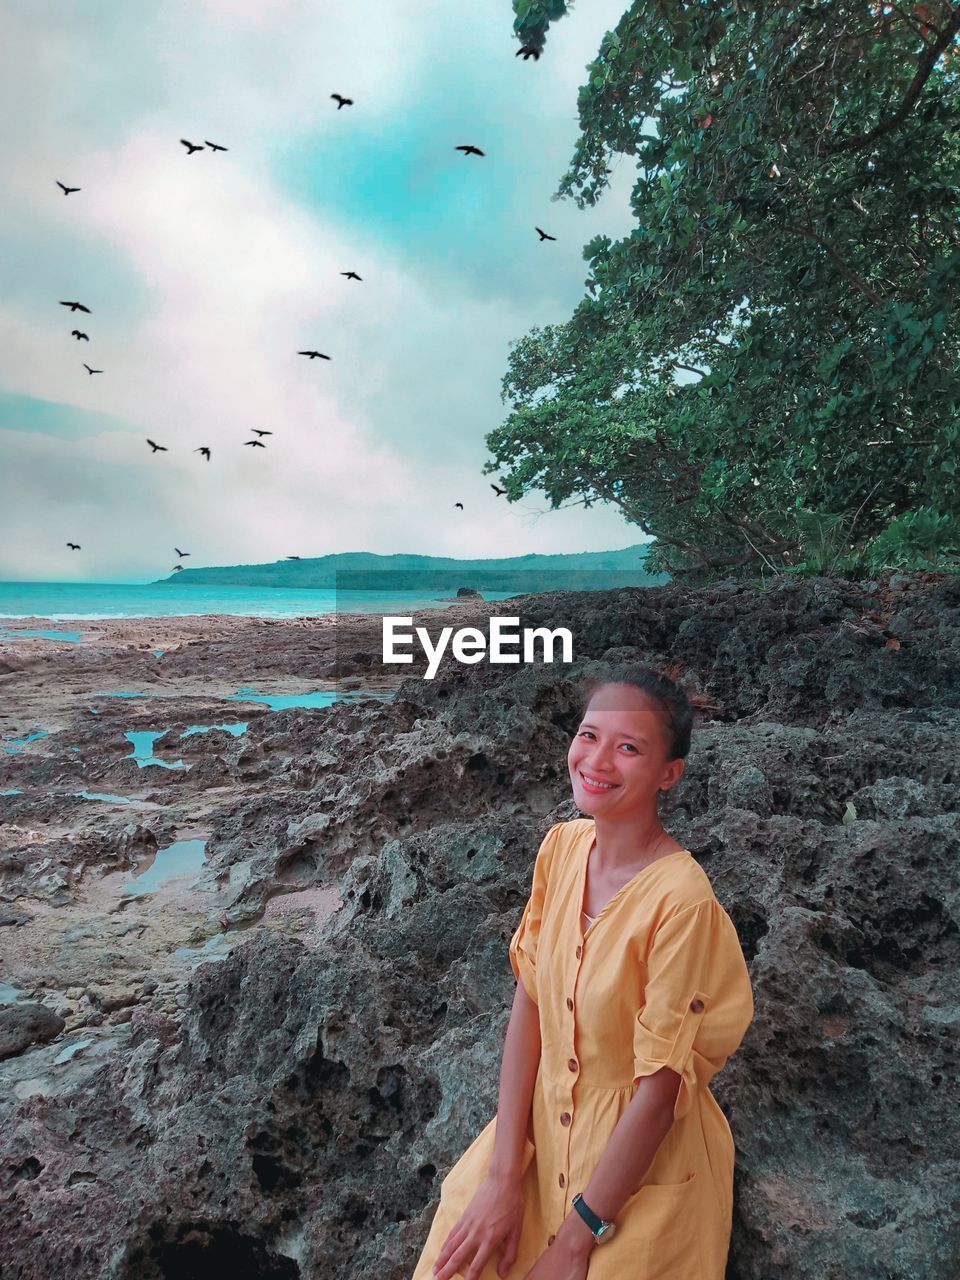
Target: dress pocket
<point x="656" y="1236"/>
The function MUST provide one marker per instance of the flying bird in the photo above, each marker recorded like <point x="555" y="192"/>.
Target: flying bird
<point x="89" y="370"/>
<point x="257" y="432"/>
<point x="497" y="491"/>
<point x="543" y="235"/>
<point x="78" y="335"/>
<point x="213" y="146"/>
<point x="351" y="275"/>
<point x="470" y="150"/>
<point x="459" y="504"/>
<point x="257" y="444"/>
<point x="342" y="102"/>
<point x="161" y="448"/>
<point x="66" y="190"/>
<point x="528" y="51"/>
<point x="204" y="450"/>
<point x="180" y="554"/>
<point x="293" y="557"/>
<point x="176" y="568"/>
<point x="74" y="546"/>
<point x="313" y="354"/>
<point x="76" y="306"/>
<point x="191" y="146"/>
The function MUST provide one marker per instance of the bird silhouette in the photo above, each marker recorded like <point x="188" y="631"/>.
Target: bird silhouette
<point x="157" y="448"/>
<point x="213" y="146"/>
<point x="497" y="491"/>
<point x="176" y="568"/>
<point x="191" y="146"/>
<point x="293" y="557"/>
<point x="543" y="235"/>
<point x="257" y="432"/>
<point x="459" y="504"/>
<point x="74" y="546"/>
<point x="470" y="150"/>
<point x="66" y="190"/>
<point x="89" y="370"/>
<point x="180" y="554"/>
<point x="351" y="275"/>
<point x="342" y="102"/>
<point x="528" y="51"/>
<point x="204" y="450"/>
<point x="76" y="306"/>
<point x="78" y="335"/>
<point x="257" y="444"/>
<point x="313" y="354"/>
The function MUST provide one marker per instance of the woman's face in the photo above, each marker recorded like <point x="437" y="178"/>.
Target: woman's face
<point x="621" y="742"/>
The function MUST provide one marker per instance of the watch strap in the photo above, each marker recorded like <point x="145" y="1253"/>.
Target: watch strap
<point x="593" y="1221"/>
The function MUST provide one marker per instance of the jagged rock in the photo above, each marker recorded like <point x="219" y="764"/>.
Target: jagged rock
<point x="22" y="1025"/>
<point x="316" y="1093"/>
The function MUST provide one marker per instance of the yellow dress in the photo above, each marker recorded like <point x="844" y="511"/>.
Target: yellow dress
<point x="659" y="979"/>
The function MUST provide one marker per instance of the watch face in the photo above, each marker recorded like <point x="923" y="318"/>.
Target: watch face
<point x="606" y="1231"/>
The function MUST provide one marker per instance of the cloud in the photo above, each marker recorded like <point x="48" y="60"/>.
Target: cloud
<point x="207" y="273"/>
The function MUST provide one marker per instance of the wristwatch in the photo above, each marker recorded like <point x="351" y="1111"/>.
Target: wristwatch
<point x="601" y="1230"/>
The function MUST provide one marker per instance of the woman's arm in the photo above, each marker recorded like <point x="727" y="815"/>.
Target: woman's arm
<point x="626" y="1157"/>
<point x="518" y="1075"/>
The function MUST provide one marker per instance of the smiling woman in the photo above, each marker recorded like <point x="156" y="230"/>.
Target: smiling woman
<point x="608" y="1149"/>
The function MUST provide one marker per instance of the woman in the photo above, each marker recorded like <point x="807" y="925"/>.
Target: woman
<point x="609" y="1153"/>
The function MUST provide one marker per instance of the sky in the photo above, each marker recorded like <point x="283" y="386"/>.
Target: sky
<point x="206" y="273"/>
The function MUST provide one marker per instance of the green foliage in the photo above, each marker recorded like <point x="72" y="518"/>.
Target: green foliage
<point x="795" y="260"/>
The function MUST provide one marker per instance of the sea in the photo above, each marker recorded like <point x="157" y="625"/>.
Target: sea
<point x="68" y="601"/>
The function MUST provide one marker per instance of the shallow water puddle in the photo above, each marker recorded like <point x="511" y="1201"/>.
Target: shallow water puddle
<point x="182" y="858"/>
<point x="142" y="741"/>
<point x="121" y="695"/>
<point x="10" y="994"/>
<point x="318" y="698"/>
<point x="72" y="636"/>
<point x="66" y="1054"/>
<point x="98" y="795"/>
<point x="14" y="791"/>
<point x="281" y="701"/>
<point x="237" y="729"/>
<point x="13" y="746"/>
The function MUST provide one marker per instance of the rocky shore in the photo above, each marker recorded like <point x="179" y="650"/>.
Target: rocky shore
<point x="266" y="1064"/>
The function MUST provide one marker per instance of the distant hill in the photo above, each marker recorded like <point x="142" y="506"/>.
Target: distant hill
<point x="366" y="571"/>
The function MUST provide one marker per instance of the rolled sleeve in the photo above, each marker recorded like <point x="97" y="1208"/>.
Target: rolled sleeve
<point x="698" y="1001"/>
<point x="525" y="941"/>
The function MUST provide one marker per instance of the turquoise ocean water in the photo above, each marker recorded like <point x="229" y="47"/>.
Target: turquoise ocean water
<point x="78" y="600"/>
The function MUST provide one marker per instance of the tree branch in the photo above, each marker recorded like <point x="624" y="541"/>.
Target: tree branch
<point x="925" y="66"/>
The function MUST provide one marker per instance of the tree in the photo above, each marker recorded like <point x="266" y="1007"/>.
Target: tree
<point x="765" y="371"/>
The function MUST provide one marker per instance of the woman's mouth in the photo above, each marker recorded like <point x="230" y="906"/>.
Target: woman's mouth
<point x="595" y="786"/>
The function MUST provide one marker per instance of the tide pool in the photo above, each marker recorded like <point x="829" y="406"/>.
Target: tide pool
<point x="97" y="795"/>
<point x="183" y="857"/>
<point x="71" y="636"/>
<point x="142" y="741"/>
<point x="237" y="729"/>
<point x="13" y="746"/>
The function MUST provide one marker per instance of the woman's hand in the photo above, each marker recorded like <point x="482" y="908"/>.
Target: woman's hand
<point x="491" y="1223"/>
<point x="566" y="1259"/>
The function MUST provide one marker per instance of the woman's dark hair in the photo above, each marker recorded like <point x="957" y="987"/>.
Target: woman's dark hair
<point x="669" y="701"/>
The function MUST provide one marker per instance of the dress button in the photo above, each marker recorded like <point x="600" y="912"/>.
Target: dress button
<point x="565" y="1117"/>
<point x="569" y="1003"/>
<point x="551" y="1240"/>
<point x="562" y="1180"/>
<point x="572" y="1064"/>
<point x="579" y="951"/>
<point x="696" y="1006"/>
